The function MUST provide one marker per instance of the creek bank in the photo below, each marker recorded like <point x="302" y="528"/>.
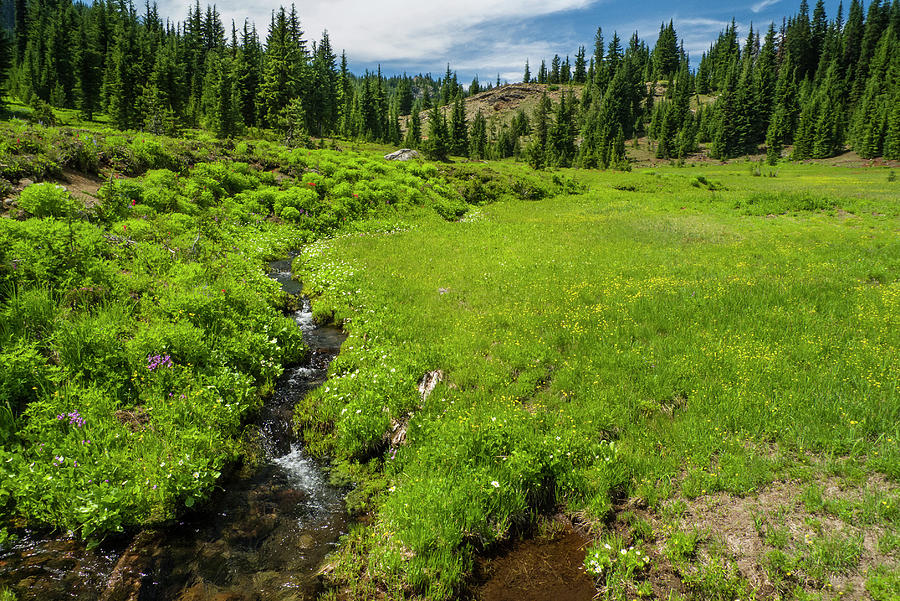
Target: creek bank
<point x="262" y="535"/>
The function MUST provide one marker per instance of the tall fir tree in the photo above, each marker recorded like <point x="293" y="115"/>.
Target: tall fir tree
<point x="478" y="141"/>
<point x="459" y="130"/>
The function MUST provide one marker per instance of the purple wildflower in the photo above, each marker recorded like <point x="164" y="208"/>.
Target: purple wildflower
<point x="156" y="361"/>
<point x="74" y="418"/>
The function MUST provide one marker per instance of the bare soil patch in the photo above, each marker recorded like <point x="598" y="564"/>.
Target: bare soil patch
<point x="83" y="186"/>
<point x="748" y="530"/>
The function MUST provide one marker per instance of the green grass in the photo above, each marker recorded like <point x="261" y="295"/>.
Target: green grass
<point x="646" y="338"/>
<point x="663" y="335"/>
<point x="138" y="332"/>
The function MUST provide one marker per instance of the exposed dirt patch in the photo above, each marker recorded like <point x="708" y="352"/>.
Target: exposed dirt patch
<point x="83" y="186"/>
<point x="547" y="568"/>
<point x="786" y="519"/>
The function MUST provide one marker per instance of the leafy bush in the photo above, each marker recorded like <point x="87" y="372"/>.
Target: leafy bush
<point x="302" y="200"/>
<point x="47" y="200"/>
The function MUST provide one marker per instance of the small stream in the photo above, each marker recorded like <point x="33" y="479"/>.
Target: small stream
<point x="261" y="537"/>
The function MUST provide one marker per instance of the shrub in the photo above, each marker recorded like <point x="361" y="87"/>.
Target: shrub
<point x="42" y="113"/>
<point x="47" y="200"/>
<point x="302" y="199"/>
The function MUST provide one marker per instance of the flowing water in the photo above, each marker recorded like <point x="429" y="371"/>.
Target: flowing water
<point x="261" y="537"/>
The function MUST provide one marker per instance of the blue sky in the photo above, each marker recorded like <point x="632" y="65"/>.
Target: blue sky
<point x="488" y="37"/>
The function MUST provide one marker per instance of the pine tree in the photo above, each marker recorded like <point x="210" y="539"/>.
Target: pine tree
<point x="775" y="135"/>
<point x="123" y="83"/>
<point x="438" y="144"/>
<point x="225" y="117"/>
<point x="728" y="137"/>
<point x="805" y="137"/>
<point x="393" y="135"/>
<point x="537" y="150"/>
<point x="7" y="58"/>
<point x="162" y="98"/>
<point x="829" y="128"/>
<point x="475" y="86"/>
<point x="413" y="137"/>
<point x="554" y="69"/>
<point x="892" y="135"/>
<point x="248" y="74"/>
<point x="565" y="72"/>
<point x="459" y="131"/>
<point x="478" y="141"/>
<point x="88" y="69"/>
<point x="542" y="73"/>
<point x="665" y="53"/>
<point x="527" y="77"/>
<point x="561" y="137"/>
<point x="284" y="60"/>
<point x="580" y="75"/>
<point x="321" y="99"/>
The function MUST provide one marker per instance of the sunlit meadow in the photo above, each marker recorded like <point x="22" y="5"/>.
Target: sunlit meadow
<point x="668" y="334"/>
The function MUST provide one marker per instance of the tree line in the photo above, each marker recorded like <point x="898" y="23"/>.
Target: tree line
<point x="812" y="83"/>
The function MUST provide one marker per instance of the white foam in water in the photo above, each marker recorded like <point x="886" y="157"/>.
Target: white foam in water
<point x="300" y="374"/>
<point x="303" y="474"/>
<point x="304" y="318"/>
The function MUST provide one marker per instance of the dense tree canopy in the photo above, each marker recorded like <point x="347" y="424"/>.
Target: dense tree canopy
<point x="814" y="83"/>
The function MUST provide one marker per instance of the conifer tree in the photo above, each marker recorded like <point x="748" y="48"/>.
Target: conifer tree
<point x="438" y="143"/>
<point x="284" y="61"/>
<point x="248" y="75"/>
<point x="562" y="138"/>
<point x="87" y="69"/>
<point x="728" y="137"/>
<point x="665" y="53"/>
<point x="527" y="77"/>
<point x="474" y="87"/>
<point x="405" y="95"/>
<point x="459" y="131"/>
<point x="580" y="75"/>
<point x="221" y="111"/>
<point x="542" y="73"/>
<point x="537" y="150"/>
<point x="7" y="58"/>
<point x="565" y="72"/>
<point x="892" y="135"/>
<point x="829" y="126"/>
<point x="413" y="137"/>
<point x="321" y="97"/>
<point x="478" y="141"/>
<point x="554" y="69"/>
<point x="162" y="98"/>
<point x="123" y="81"/>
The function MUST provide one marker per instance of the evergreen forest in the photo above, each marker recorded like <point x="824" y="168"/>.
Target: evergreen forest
<point x="814" y="84"/>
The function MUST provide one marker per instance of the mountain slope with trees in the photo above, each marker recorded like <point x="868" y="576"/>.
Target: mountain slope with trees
<point x="812" y="83"/>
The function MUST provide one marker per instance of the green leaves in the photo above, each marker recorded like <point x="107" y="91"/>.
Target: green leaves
<point x="47" y="200"/>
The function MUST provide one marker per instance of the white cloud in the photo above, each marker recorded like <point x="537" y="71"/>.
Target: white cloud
<point x="763" y="4"/>
<point x="391" y="30"/>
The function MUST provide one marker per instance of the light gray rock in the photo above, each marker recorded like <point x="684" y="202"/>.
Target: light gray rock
<point x="404" y="154"/>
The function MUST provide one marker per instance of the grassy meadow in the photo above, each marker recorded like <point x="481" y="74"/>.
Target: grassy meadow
<point x="697" y="366"/>
<point x="660" y="344"/>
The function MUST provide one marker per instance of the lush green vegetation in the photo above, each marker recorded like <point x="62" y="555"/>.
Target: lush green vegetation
<point x="139" y="330"/>
<point x="667" y="336"/>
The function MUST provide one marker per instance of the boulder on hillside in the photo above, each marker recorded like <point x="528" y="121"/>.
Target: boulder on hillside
<point x="404" y="154"/>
